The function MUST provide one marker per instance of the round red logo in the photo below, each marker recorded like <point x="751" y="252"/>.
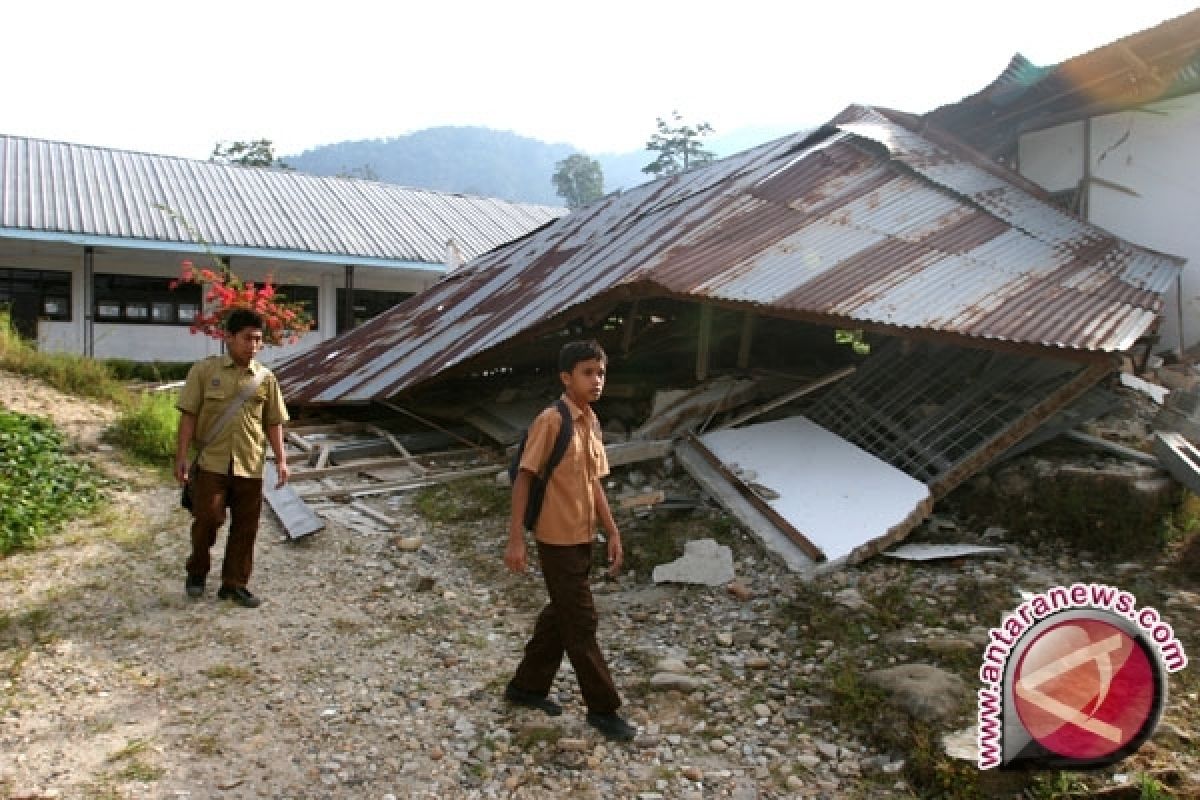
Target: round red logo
<point x="1084" y="688"/>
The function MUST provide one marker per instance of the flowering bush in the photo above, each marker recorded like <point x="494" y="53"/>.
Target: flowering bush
<point x="225" y="292"/>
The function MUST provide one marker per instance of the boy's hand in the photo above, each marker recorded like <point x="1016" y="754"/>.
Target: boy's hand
<point x="616" y="554"/>
<point x="181" y="470"/>
<point x="514" y="554"/>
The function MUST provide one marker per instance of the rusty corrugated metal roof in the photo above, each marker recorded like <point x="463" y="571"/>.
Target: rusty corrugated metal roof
<point x="1154" y="64"/>
<point x="58" y="188"/>
<point x="865" y="222"/>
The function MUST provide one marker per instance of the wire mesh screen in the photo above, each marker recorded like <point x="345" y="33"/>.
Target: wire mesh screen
<point x="923" y="407"/>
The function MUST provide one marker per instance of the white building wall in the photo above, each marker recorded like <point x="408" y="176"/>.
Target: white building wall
<point x="1155" y="155"/>
<point x="141" y="342"/>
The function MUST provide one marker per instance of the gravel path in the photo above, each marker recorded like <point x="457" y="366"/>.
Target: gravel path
<point x="372" y="671"/>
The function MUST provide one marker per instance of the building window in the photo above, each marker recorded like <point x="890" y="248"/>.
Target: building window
<point x="29" y="289"/>
<point x="306" y="296"/>
<point x="142" y="300"/>
<point x="367" y="303"/>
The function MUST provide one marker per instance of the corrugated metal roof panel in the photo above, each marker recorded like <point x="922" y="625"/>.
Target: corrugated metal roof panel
<point x="864" y="221"/>
<point x="54" y="187"/>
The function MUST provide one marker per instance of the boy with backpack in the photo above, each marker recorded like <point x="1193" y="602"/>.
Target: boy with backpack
<point x="563" y="455"/>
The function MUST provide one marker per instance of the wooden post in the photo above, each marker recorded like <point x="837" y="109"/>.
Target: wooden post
<point x="703" y="340"/>
<point x="743" y="358"/>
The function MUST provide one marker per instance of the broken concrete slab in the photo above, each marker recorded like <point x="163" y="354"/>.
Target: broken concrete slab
<point x="933" y="552"/>
<point x="704" y="562"/>
<point x="1180" y="458"/>
<point x="841" y="499"/>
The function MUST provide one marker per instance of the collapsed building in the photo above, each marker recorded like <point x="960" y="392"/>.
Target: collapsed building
<point x="829" y="332"/>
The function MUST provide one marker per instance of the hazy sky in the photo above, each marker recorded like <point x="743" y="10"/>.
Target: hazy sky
<point x="176" y="77"/>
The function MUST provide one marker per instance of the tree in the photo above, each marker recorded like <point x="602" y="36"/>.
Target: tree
<point x="364" y="173"/>
<point x="678" y="147"/>
<point x="579" y="180"/>
<point x="258" y="153"/>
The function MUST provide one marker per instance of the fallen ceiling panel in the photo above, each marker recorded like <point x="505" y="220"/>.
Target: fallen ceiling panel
<point x="836" y="502"/>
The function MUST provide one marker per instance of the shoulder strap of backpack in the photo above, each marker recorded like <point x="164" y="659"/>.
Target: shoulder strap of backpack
<point x="565" y="431"/>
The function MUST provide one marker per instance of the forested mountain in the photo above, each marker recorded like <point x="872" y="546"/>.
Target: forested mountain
<point x="483" y="161"/>
<point x="470" y="160"/>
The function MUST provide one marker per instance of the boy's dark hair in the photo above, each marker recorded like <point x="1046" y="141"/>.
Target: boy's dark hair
<point x="574" y="352"/>
<point x="243" y="318"/>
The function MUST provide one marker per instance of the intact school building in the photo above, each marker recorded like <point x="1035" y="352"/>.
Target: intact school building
<point x="91" y="238"/>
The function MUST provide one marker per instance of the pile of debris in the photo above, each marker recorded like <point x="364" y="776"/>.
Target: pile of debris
<point x="825" y="469"/>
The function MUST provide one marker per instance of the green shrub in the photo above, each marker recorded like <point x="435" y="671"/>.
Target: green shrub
<point x="147" y="428"/>
<point x="151" y="371"/>
<point x="40" y="486"/>
<point x="66" y="372"/>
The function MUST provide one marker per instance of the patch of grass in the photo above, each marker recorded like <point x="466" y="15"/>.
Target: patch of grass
<point x="534" y="735"/>
<point x="468" y="499"/>
<point x="1057" y="785"/>
<point x="41" y="487"/>
<point x="1108" y="518"/>
<point x="660" y="538"/>
<point x="147" y="428"/>
<point x="138" y="770"/>
<point x="131" y="749"/>
<point x="152" y="372"/>
<point x="206" y="744"/>
<point x="229" y="673"/>
<point x="66" y="372"/>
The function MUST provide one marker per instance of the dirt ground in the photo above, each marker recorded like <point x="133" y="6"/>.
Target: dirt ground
<point x="372" y="671"/>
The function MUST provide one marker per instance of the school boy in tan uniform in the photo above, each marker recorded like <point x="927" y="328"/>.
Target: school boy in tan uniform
<point x="229" y="472"/>
<point x="574" y="504"/>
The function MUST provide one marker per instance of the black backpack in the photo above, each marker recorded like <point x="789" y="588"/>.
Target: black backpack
<point x="537" y="487"/>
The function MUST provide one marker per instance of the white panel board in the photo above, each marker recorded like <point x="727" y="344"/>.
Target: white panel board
<point x="836" y="494"/>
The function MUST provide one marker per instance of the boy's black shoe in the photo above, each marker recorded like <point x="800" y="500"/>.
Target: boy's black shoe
<point x="194" y="585"/>
<point x="522" y="697"/>
<point x="240" y="595"/>
<point x="612" y="726"/>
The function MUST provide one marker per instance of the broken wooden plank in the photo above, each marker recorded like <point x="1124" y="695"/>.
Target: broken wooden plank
<point x="1179" y="457"/>
<point x="294" y="514"/>
<point x="399" y="446"/>
<point x="622" y="453"/>
<point x="694" y="406"/>
<point x="807" y="388"/>
<point x="1096" y="402"/>
<point x="322" y="455"/>
<point x="299" y="441"/>
<point x="497" y="430"/>
<point x="363" y="490"/>
<point x="366" y="510"/>
<point x="428" y="423"/>
<point x="377" y="463"/>
<point x="1121" y="450"/>
<point x="413" y="443"/>
<point x="642" y="499"/>
<point x="333" y="427"/>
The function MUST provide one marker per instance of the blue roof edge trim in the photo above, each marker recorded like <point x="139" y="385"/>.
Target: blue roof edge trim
<point x="88" y="240"/>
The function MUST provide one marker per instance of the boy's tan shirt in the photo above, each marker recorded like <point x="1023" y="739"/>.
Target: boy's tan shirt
<point x="212" y="384"/>
<point x="568" y="515"/>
